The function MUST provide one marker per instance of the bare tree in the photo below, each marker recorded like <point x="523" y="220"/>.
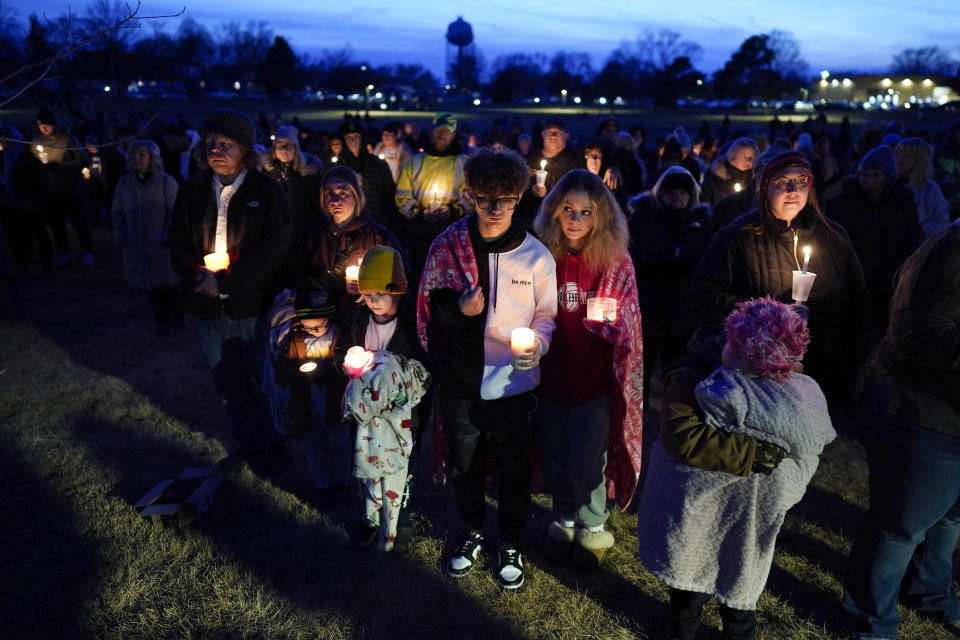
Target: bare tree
<point x="655" y="50"/>
<point x="788" y="61"/>
<point x="924" y="60"/>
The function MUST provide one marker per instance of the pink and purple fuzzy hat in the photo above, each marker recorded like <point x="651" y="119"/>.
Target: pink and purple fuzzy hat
<point x="769" y="335"/>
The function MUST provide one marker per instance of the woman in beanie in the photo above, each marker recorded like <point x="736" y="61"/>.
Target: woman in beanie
<point x="757" y="253"/>
<point x="915" y="170"/>
<point x="387" y="321"/>
<point x="880" y="216"/>
<point x="591" y="410"/>
<point x="709" y="532"/>
<point x="669" y="231"/>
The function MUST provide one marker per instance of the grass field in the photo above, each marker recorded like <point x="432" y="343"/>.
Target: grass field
<point x="95" y="410"/>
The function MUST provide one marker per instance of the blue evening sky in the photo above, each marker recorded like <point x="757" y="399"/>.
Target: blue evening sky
<point x="839" y="35"/>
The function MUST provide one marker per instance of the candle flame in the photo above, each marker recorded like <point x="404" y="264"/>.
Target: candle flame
<point x="806" y="252"/>
<point x="307" y="367"/>
<point x="543" y="164"/>
<point x="40" y="148"/>
<point x="381" y="156"/>
<point x="333" y="159"/>
<point x="737" y="187"/>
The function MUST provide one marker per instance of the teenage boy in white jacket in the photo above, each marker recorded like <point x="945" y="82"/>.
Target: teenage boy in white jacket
<point x="485" y="276"/>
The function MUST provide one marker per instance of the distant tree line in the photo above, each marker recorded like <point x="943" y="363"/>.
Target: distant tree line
<point x="659" y="66"/>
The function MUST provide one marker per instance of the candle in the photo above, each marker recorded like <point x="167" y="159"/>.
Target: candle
<point x="382" y="157"/>
<point x="602" y="309"/>
<point x="435" y="200"/>
<point x="44" y="156"/>
<point x="806" y="260"/>
<point x="86" y="173"/>
<point x="356" y="360"/>
<point x="216" y="261"/>
<point x="736" y="186"/>
<point x="542" y="174"/>
<point x="521" y="339"/>
<point x="307" y="367"/>
<point x="352" y="275"/>
<point x="333" y="159"/>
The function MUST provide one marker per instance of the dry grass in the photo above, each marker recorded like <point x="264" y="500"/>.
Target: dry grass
<point x="94" y="411"/>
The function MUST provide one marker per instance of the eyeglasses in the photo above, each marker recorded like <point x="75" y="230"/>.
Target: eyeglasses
<point x="486" y="204"/>
<point x="801" y="183"/>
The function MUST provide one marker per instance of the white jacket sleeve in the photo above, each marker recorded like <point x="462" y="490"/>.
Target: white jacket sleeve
<point x="545" y="294"/>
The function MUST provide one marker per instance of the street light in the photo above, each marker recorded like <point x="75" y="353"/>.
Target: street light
<point x="563" y="96"/>
<point x="366" y="95"/>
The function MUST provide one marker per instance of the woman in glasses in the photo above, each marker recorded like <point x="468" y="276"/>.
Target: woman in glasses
<point x="756" y="255"/>
<point x="592" y="378"/>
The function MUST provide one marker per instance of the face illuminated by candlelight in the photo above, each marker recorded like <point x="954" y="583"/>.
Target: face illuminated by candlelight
<point x="383" y="306"/>
<point x="339" y="201"/>
<point x="224" y="155"/>
<point x="576" y="218"/>
<point x="787" y="192"/>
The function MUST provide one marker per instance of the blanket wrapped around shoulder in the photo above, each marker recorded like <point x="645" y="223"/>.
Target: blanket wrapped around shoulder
<point x="714" y="532"/>
<point x="381" y="402"/>
<point x="625" y="441"/>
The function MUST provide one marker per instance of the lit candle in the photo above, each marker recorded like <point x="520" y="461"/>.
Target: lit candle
<point x="356" y="360"/>
<point x="602" y="309"/>
<point x="216" y="261"/>
<point x="86" y="173"/>
<point x="521" y="339"/>
<point x="736" y="186"/>
<point x="307" y="367"/>
<point x="352" y="274"/>
<point x="382" y="156"/>
<point x="44" y="156"/>
<point x="435" y="201"/>
<point x="806" y="260"/>
<point x="333" y="159"/>
<point x="542" y="174"/>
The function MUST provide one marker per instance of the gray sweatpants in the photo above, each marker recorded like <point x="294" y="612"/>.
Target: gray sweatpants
<point x="573" y="451"/>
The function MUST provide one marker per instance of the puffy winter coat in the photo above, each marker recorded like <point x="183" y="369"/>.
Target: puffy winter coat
<point x="141" y="215"/>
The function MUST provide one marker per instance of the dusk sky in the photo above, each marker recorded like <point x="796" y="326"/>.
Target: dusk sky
<point x="840" y="35"/>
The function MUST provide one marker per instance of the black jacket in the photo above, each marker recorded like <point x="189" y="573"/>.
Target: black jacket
<point x="557" y="167"/>
<point x="883" y="234"/>
<point x="722" y="179"/>
<point x="378" y="186"/>
<point x="461" y="354"/>
<point x="258" y="239"/>
<point x="742" y="263"/>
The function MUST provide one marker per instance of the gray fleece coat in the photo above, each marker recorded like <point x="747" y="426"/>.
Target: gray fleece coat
<point x="713" y="532"/>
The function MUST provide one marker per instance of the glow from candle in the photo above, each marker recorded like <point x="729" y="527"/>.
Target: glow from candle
<point x="333" y="159"/>
<point x="436" y="191"/>
<point x="543" y="164"/>
<point x="806" y="260"/>
<point x="521" y="339"/>
<point x="356" y="360"/>
<point x="39" y="148"/>
<point x="216" y="261"/>
<point x="736" y="186"/>
<point x="353" y="273"/>
<point x="307" y="367"/>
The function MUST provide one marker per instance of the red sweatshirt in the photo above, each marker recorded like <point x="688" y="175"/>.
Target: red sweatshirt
<point x="579" y="366"/>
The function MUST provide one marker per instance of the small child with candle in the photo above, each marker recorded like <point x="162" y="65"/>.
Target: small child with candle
<point x="710" y="533"/>
<point x="591" y="388"/>
<point x="386" y="323"/>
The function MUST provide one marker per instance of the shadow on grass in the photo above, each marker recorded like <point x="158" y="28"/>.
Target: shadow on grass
<point x="46" y="566"/>
<point x="819" y="606"/>
<point x="830" y="511"/>
<point x="302" y="558"/>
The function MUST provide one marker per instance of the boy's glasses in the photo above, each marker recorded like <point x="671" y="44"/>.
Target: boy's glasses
<point x="486" y="204"/>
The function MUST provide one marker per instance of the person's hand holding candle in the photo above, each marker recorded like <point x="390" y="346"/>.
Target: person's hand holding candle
<point x="524" y="348"/>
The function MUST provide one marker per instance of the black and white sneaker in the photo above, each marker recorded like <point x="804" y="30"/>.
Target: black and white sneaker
<point x="510" y="567"/>
<point x="464" y="559"/>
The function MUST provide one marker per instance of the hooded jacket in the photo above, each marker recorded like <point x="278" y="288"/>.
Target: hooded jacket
<point x="377" y="183"/>
<point x="722" y="180"/>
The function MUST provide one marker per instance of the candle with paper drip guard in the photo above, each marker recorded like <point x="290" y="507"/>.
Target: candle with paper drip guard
<point x="803" y="279"/>
<point x="435" y="200"/>
<point x="44" y="156"/>
<point x="602" y="309"/>
<point x="217" y="261"/>
<point x="357" y="360"/>
<point x="352" y="275"/>
<point x="542" y="174"/>
<point x="521" y="339"/>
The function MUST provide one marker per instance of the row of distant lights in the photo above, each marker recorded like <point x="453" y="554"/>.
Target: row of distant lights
<point x="886" y="82"/>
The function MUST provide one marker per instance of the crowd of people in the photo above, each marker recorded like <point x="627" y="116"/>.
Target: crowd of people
<point x="513" y="294"/>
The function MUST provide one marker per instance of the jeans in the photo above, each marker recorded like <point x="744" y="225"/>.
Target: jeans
<point x="507" y="423"/>
<point x="232" y="350"/>
<point x="905" y="545"/>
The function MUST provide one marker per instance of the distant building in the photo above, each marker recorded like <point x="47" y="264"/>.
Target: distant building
<point x="875" y="91"/>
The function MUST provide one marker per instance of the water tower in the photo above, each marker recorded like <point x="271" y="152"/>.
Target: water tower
<point x="460" y="55"/>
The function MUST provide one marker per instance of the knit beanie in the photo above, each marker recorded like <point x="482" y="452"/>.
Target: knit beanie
<point x="445" y="119"/>
<point x="45" y="116"/>
<point x="779" y="163"/>
<point x="677" y="180"/>
<point x="231" y="124"/>
<point x="769" y="335"/>
<point x="348" y="175"/>
<point x="382" y="271"/>
<point x="880" y="159"/>
<point x="313" y="303"/>
<point x="288" y="133"/>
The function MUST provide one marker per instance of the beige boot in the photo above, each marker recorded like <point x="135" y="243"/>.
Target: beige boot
<point x="559" y="542"/>
<point x="591" y="548"/>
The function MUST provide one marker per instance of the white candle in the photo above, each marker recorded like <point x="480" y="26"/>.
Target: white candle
<point x="353" y="274"/>
<point x="521" y="339"/>
<point x="44" y="156"/>
<point x="542" y="174"/>
<point x="356" y="360"/>
<point x="216" y="261"/>
<point x="307" y="367"/>
<point x="806" y="260"/>
<point x="333" y="159"/>
<point x="602" y="309"/>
